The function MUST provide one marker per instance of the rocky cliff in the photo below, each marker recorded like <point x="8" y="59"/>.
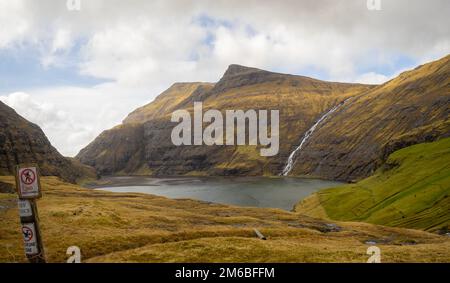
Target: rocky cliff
<point x="353" y="142"/>
<point x="24" y="142"/>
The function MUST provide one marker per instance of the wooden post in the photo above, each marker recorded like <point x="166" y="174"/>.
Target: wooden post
<point x="29" y="189"/>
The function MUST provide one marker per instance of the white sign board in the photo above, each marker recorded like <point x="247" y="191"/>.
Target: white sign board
<point x="25" y="208"/>
<point x="29" y="239"/>
<point x="28" y="180"/>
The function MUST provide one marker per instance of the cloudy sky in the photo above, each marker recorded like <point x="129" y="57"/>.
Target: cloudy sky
<point x="76" y="73"/>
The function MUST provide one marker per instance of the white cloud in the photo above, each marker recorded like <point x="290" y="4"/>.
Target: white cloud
<point x="40" y="112"/>
<point x="14" y="23"/>
<point x="371" y="78"/>
<point x="62" y="40"/>
<point x="45" y="114"/>
<point x="146" y="41"/>
<point x="75" y="116"/>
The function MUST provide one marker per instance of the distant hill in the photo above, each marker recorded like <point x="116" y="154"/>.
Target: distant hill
<point x="142" y="144"/>
<point x="24" y="142"/>
<point x="412" y="189"/>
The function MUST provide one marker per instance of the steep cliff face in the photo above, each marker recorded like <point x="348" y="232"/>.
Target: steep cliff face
<point x="354" y="141"/>
<point x="300" y="100"/>
<point x="24" y="142"/>
<point x="118" y="150"/>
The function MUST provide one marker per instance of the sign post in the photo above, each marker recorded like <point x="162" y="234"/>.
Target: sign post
<point x="29" y="189"/>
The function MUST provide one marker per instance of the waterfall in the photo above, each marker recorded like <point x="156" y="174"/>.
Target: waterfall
<point x="290" y="162"/>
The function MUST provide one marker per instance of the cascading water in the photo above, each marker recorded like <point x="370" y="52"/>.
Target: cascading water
<point x="290" y="162"/>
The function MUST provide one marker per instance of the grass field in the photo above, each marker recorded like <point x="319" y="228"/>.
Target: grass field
<point x="111" y="227"/>
<point x="411" y="190"/>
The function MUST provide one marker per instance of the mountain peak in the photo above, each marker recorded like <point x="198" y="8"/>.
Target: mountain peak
<point x="238" y="75"/>
<point x="236" y="70"/>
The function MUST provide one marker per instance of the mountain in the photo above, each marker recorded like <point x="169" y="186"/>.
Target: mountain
<point x="142" y="143"/>
<point x="355" y="140"/>
<point x="412" y="190"/>
<point x="22" y="142"/>
<point x="368" y="123"/>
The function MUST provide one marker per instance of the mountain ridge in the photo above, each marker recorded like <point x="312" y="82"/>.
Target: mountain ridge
<point x="300" y="100"/>
<point x="344" y="148"/>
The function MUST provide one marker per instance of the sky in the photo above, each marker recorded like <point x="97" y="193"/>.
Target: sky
<point x="76" y="72"/>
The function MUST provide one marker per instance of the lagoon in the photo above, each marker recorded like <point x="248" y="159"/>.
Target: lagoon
<point x="269" y="192"/>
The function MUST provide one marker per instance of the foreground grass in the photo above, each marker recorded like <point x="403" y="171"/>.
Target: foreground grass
<point x="412" y="190"/>
<point x="111" y="227"/>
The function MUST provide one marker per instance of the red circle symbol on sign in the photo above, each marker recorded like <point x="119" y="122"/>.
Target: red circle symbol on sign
<point x="28" y="176"/>
<point x="27" y="234"/>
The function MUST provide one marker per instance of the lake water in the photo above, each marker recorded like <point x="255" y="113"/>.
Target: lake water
<point x="281" y="193"/>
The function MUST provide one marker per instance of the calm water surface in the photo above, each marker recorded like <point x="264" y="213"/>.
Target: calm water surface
<point x="281" y="193"/>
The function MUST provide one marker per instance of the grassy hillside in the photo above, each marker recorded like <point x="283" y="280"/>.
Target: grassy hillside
<point x="111" y="227"/>
<point x="411" y="190"/>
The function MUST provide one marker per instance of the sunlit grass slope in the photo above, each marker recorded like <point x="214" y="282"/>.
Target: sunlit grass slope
<point x="411" y="190"/>
<point x="126" y="227"/>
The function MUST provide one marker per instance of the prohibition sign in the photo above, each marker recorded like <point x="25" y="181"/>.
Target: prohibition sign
<point x="27" y="234"/>
<point x="27" y="176"/>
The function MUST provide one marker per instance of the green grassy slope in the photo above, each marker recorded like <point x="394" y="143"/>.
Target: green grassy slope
<point x="411" y="190"/>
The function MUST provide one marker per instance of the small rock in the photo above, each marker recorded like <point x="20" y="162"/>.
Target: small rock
<point x="409" y="242"/>
<point x="296" y="225"/>
<point x="331" y="227"/>
<point x="370" y="243"/>
<point x="6" y="188"/>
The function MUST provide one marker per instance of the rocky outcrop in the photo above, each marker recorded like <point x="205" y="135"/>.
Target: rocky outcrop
<point x="6" y="188"/>
<point x="121" y="149"/>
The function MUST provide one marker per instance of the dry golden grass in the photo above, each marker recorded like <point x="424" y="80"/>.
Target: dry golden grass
<point x="279" y="249"/>
<point x="143" y="228"/>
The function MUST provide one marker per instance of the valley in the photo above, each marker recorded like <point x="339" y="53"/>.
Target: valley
<point x="388" y="143"/>
<point x="130" y="227"/>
